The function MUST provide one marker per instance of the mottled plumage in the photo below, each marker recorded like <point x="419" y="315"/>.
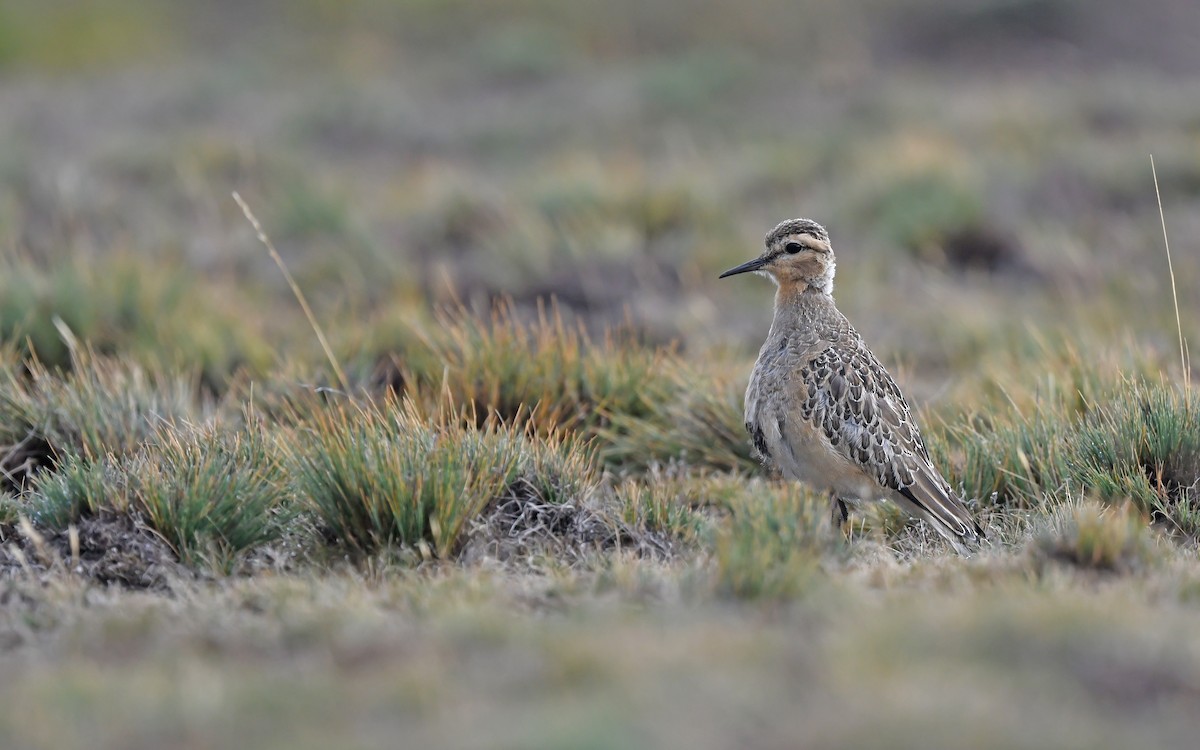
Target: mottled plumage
<point x="823" y="409"/>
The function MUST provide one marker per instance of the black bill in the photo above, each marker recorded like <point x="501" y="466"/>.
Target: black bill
<point x="750" y="265"/>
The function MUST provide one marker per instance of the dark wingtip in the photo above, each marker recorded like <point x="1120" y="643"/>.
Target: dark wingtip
<point x="972" y="533"/>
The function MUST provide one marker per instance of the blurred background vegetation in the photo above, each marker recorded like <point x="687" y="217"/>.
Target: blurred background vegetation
<point x="516" y="202"/>
<point x="983" y="169"/>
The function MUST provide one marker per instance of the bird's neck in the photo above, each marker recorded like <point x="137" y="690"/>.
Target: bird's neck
<point x="802" y="296"/>
<point x="800" y="305"/>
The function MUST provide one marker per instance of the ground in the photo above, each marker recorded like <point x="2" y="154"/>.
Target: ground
<point x="477" y="476"/>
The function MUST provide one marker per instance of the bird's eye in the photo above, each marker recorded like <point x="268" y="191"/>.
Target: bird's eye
<point x="792" y="248"/>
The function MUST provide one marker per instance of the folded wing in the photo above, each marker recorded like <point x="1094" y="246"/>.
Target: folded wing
<point x="855" y="402"/>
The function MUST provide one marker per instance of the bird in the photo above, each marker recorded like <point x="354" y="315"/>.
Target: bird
<point x="822" y="409"/>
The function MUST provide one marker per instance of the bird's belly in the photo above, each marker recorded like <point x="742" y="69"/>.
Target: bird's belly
<point x="804" y="454"/>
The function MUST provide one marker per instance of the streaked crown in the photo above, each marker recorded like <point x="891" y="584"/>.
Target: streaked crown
<point x="796" y="226"/>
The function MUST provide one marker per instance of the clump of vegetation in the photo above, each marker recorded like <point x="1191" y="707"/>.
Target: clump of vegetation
<point x="212" y="495"/>
<point x="1097" y="536"/>
<point x="665" y="504"/>
<point x="1135" y="441"/>
<point x="384" y="474"/>
<point x="1013" y="462"/>
<point x="921" y="210"/>
<point x="101" y="407"/>
<point x="10" y="508"/>
<point x="694" y="419"/>
<point x="774" y="542"/>
<point x="149" y="312"/>
<point x="939" y="218"/>
<point x="545" y="372"/>
<point x="553" y="509"/>
<point x="1145" y="446"/>
<point x="78" y="487"/>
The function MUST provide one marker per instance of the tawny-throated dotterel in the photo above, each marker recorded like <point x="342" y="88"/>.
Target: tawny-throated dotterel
<point x="823" y="409"/>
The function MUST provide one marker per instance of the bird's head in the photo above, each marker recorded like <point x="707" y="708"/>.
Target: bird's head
<point x="797" y="254"/>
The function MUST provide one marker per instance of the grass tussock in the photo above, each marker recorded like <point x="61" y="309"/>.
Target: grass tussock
<point x="78" y="487"/>
<point x="546" y="372"/>
<point x="643" y="405"/>
<point x="1097" y="536"/>
<point x="100" y="407"/>
<point x="687" y="506"/>
<point x="10" y="508"/>
<point x="1013" y="463"/>
<point x="212" y="495"/>
<point x="1145" y="445"/>
<point x="696" y="421"/>
<point x="1135" y="440"/>
<point x="773" y="544"/>
<point x="553" y="510"/>
<point x="663" y="505"/>
<point x="383" y="474"/>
